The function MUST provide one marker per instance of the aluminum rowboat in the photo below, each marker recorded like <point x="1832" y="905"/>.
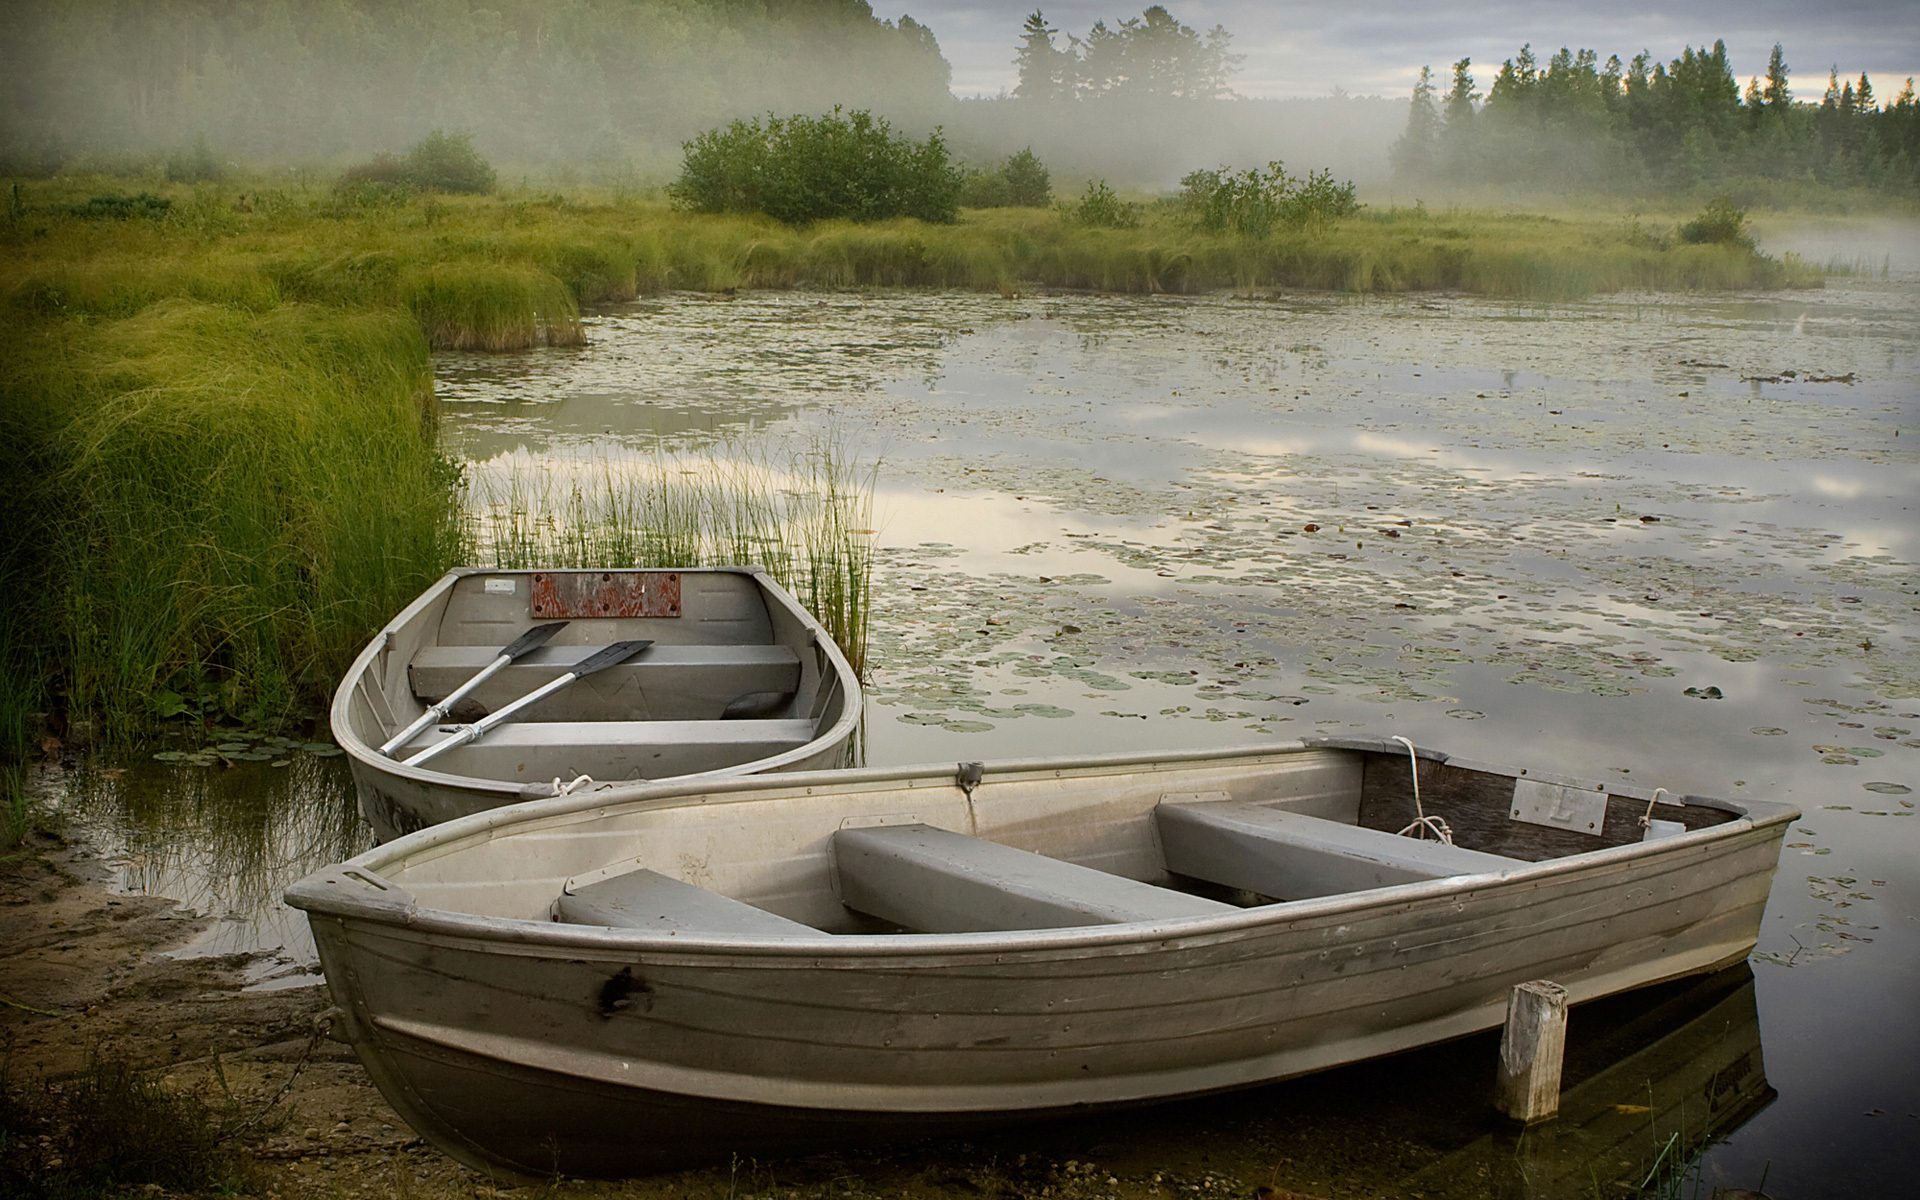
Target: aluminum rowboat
<point x="739" y="679"/>
<point x="633" y="981"/>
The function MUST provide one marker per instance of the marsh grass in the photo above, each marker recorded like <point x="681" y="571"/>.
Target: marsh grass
<point x="109" y="1130"/>
<point x="807" y="519"/>
<point x="226" y="499"/>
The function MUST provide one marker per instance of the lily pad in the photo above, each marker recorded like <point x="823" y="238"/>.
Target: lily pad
<point x="1887" y="789"/>
<point x="170" y="756"/>
<point x="966" y="726"/>
<point x="1768" y="731"/>
<point x="1466" y="714"/>
<point x="1706" y="693"/>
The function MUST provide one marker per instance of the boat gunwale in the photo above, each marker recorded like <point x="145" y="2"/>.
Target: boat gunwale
<point x="369" y="756"/>
<point x="389" y="903"/>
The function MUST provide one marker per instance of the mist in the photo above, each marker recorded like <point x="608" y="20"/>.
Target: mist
<point x="608" y="85"/>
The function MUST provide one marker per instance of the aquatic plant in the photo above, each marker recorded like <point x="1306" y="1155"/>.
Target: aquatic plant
<point x="807" y="520"/>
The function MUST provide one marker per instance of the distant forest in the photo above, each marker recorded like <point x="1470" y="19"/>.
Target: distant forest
<point x="1685" y="125"/>
<point x="536" y="81"/>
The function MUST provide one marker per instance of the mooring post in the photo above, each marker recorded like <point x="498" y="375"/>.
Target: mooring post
<point x="1530" y="1051"/>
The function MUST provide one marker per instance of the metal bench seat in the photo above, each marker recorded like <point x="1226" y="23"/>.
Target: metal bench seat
<point x="1292" y="856"/>
<point x="649" y="900"/>
<point x="936" y="881"/>
<point x="662" y="682"/>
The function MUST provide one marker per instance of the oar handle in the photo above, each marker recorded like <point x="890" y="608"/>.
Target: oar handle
<point x="437" y="711"/>
<point x="599" y="661"/>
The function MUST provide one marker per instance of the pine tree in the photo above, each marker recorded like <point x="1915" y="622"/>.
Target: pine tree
<point x="1413" y="155"/>
<point x="1041" y="74"/>
<point x="1777" y="95"/>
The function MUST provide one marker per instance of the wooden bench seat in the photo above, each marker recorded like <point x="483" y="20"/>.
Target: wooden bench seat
<point x="649" y="900"/>
<point x="671" y="683"/>
<point x="1291" y="856"/>
<point x="936" y="881"/>
<point x="529" y="751"/>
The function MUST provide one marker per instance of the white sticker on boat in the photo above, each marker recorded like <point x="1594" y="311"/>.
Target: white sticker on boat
<point x="500" y="587"/>
<point x="1582" y="810"/>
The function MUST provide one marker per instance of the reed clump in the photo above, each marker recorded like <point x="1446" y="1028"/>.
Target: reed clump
<point x="807" y="518"/>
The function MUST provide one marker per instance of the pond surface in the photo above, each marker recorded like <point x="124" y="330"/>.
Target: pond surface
<point x="1667" y="538"/>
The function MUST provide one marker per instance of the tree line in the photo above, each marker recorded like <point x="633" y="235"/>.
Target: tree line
<point x="1152" y="57"/>
<point x="1685" y="124"/>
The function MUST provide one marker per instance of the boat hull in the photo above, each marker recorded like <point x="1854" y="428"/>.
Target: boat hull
<point x="652" y="1056"/>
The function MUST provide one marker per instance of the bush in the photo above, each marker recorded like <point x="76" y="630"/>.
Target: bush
<point x="1721" y="222"/>
<point x="197" y="165"/>
<point x="1028" y="180"/>
<point x="800" y="169"/>
<point x="1251" y="203"/>
<point x="1021" y="180"/>
<point x="117" y="207"/>
<point x="439" y="162"/>
<point x="447" y="162"/>
<point x="1100" y="207"/>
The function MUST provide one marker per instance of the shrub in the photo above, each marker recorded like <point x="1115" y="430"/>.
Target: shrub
<point x="985" y="189"/>
<point x="196" y="165"/>
<point x="1028" y="180"/>
<point x="1721" y="222"/>
<point x="1021" y="180"/>
<point x="116" y="207"/>
<point x="1251" y="203"/>
<point x="800" y="169"/>
<point x="1100" y="207"/>
<point x="447" y="162"/>
<point x="382" y="170"/>
<point x="439" y="162"/>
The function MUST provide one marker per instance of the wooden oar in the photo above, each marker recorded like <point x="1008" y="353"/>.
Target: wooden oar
<point x="532" y="639"/>
<point x="600" y="660"/>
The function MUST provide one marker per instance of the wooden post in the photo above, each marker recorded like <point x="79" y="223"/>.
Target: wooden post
<point x="1530" y="1051"/>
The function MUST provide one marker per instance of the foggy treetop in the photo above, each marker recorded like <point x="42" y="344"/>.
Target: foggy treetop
<point x="1684" y="123"/>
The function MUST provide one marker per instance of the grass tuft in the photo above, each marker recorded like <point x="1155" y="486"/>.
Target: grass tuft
<point x="107" y="1130"/>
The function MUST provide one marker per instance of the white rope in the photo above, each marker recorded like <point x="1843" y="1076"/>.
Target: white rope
<point x="1423" y="823"/>
<point x="1646" y="822"/>
<point x="566" y="789"/>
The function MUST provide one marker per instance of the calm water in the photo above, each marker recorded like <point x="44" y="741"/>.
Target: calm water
<point x="1631" y="536"/>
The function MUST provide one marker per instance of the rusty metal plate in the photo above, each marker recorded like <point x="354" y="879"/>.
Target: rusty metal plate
<point x="573" y="595"/>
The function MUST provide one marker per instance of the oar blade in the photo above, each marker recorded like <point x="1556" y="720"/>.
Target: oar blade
<point x="612" y="656"/>
<point x="533" y="638"/>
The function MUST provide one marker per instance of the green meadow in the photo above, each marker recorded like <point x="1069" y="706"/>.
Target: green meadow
<point x="218" y="400"/>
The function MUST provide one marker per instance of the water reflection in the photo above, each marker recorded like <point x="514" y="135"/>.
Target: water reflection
<point x="1652" y="1077"/>
<point x="222" y="843"/>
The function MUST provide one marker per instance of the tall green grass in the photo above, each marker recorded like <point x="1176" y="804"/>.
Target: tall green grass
<point x="227" y="501"/>
<point x="807" y="519"/>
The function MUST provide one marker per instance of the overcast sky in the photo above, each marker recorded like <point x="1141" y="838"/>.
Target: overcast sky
<point x="1307" y="49"/>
